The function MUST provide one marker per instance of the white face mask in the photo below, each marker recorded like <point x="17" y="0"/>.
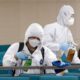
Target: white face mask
<point x="34" y="42"/>
<point x="71" y="21"/>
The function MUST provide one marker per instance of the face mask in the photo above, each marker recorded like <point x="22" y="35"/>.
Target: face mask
<point x="71" y="21"/>
<point x="34" y="42"/>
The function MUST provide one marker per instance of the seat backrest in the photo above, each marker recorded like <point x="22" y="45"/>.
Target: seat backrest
<point x="14" y="78"/>
<point x="4" y="47"/>
<point x="59" y="78"/>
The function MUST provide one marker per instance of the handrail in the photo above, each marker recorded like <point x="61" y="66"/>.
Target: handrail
<point x="72" y="66"/>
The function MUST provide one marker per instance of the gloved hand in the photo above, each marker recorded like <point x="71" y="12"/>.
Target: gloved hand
<point x="64" y="46"/>
<point x="60" y="64"/>
<point x="21" y="56"/>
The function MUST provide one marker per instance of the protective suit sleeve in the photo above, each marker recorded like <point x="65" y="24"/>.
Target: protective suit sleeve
<point x="49" y="40"/>
<point x="49" y="56"/>
<point x="9" y="55"/>
<point x="70" y="38"/>
<point x="51" y="59"/>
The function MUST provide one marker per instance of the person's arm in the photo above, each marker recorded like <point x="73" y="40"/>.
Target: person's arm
<point x="49" y="56"/>
<point x="52" y="60"/>
<point x="50" y="41"/>
<point x="49" y="38"/>
<point x="10" y="53"/>
<point x="70" y="38"/>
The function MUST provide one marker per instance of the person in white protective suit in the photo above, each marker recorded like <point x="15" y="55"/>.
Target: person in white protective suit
<point x="31" y="50"/>
<point x="58" y="36"/>
<point x="33" y="38"/>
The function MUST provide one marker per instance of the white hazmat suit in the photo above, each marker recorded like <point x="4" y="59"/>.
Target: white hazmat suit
<point x="34" y="30"/>
<point x="59" y="32"/>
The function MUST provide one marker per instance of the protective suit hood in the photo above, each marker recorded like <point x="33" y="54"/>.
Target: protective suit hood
<point x="34" y="29"/>
<point x="64" y="15"/>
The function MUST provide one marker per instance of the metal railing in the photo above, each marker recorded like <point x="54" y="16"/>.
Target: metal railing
<point x="72" y="66"/>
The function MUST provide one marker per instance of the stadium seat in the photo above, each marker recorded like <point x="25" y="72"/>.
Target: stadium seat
<point x="14" y="78"/>
<point x="5" y="72"/>
<point x="74" y="70"/>
<point x="59" y="78"/>
<point x="1" y="56"/>
<point x="31" y="76"/>
<point x="4" y="47"/>
<point x="71" y="74"/>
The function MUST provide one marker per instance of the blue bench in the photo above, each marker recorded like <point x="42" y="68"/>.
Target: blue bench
<point x="3" y="49"/>
<point x="59" y="78"/>
<point x="31" y="76"/>
<point x="14" y="78"/>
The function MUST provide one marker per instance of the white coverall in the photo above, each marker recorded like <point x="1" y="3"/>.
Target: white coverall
<point x="59" y="32"/>
<point x="37" y="31"/>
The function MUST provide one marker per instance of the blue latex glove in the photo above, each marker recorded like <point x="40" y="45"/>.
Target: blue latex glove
<point x="21" y="56"/>
<point x="64" y="46"/>
<point x="60" y="64"/>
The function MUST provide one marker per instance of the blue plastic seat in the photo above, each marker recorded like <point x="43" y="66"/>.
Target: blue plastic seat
<point x="4" y="47"/>
<point x="1" y="56"/>
<point x="14" y="78"/>
<point x="72" y="74"/>
<point x="35" y="76"/>
<point x="74" y="70"/>
<point x="59" y="78"/>
<point x="6" y="73"/>
<point x="31" y="76"/>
